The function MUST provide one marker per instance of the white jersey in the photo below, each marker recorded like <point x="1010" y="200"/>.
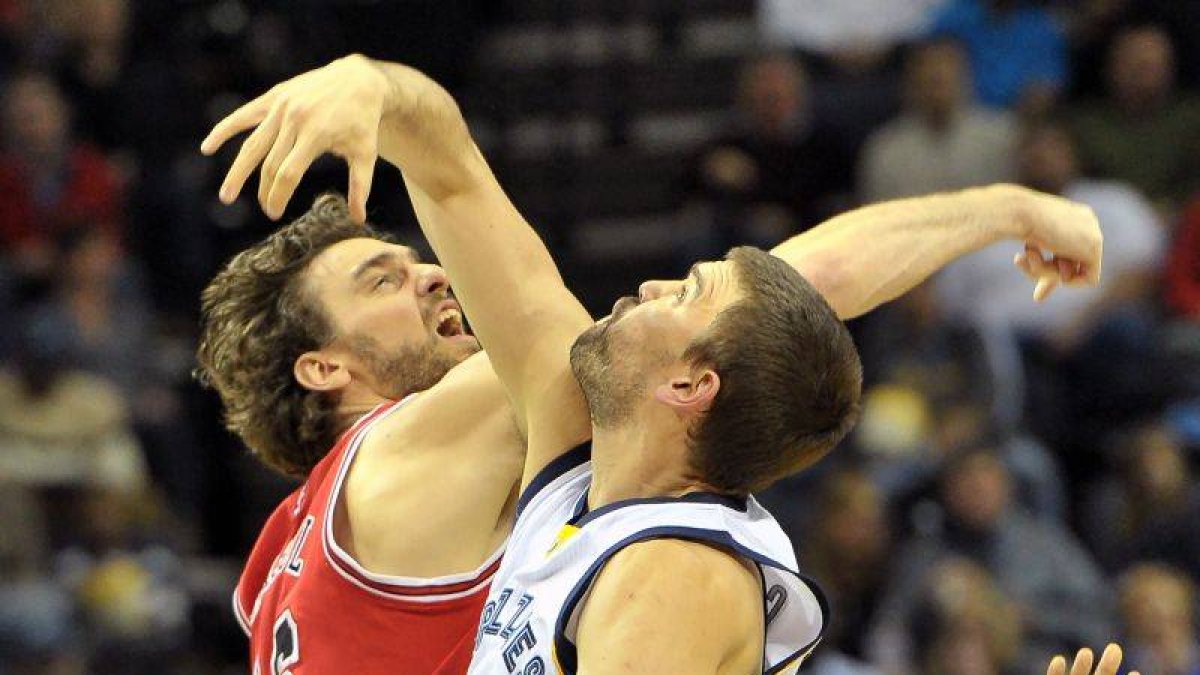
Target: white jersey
<point x="557" y="548"/>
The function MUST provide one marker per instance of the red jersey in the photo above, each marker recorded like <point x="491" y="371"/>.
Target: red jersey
<point x="310" y="608"/>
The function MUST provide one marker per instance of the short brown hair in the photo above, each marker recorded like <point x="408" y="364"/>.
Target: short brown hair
<point x="257" y="317"/>
<point x="790" y="379"/>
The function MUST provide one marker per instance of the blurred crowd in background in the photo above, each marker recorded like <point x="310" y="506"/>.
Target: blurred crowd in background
<point x="1021" y="482"/>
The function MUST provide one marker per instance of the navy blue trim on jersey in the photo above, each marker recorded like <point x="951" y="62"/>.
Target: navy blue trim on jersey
<point x="583" y="516"/>
<point x="559" y="466"/>
<point x="568" y="656"/>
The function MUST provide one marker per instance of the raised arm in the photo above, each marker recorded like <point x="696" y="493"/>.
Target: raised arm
<point x="501" y="271"/>
<point x="869" y="256"/>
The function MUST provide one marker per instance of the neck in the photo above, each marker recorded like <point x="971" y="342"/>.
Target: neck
<point x="639" y="460"/>
<point x="355" y="402"/>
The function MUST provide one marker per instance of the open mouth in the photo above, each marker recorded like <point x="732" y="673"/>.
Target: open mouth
<point x="450" y="323"/>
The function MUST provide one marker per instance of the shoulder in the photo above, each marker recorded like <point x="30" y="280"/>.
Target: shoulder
<point x="669" y="604"/>
<point x="675" y="564"/>
<point x="468" y="399"/>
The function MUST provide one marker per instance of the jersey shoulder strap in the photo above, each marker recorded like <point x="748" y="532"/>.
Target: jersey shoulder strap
<point x="795" y="611"/>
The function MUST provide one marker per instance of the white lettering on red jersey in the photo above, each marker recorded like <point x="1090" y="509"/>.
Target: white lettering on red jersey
<point x="309" y="607"/>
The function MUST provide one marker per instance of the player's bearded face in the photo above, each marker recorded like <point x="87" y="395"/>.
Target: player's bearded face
<point x="399" y="371"/>
<point x="611" y="388"/>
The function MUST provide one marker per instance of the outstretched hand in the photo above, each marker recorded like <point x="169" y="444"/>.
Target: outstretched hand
<point x="1110" y="663"/>
<point x="335" y="109"/>
<point x="1063" y="246"/>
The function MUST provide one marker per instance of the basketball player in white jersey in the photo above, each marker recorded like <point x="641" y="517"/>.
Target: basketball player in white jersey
<point x="657" y="375"/>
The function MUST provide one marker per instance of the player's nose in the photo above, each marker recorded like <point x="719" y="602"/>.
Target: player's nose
<point x="432" y="279"/>
<point x="653" y="289"/>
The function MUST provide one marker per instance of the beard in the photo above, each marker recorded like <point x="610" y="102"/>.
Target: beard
<point x="408" y="369"/>
<point x="610" y="392"/>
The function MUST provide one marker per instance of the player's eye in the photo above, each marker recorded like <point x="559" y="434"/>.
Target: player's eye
<point x="384" y="280"/>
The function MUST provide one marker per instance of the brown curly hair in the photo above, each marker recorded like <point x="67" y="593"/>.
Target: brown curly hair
<point x="256" y="318"/>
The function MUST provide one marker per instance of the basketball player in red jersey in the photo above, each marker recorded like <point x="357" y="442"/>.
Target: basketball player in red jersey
<point x="324" y="336"/>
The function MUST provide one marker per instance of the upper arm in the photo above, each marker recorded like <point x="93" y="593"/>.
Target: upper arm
<point x="671" y="606"/>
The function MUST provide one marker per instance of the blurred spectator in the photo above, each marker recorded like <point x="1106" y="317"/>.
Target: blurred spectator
<point x="941" y="141"/>
<point x="1148" y="509"/>
<point x="99" y="300"/>
<point x="60" y="425"/>
<point x="92" y="70"/>
<point x="847" y="551"/>
<point x="1017" y="51"/>
<point x="1069" y="344"/>
<point x="1183" y="269"/>
<point x="100" y="304"/>
<point x="964" y="625"/>
<point x="49" y="182"/>
<point x="1146" y="132"/>
<point x="127" y="581"/>
<point x="911" y="342"/>
<point x="833" y="27"/>
<point x="768" y="176"/>
<point x="1059" y="593"/>
<point x="1158" y="606"/>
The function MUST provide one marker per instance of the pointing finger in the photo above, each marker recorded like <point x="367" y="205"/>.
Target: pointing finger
<point x="254" y="148"/>
<point x="243" y="118"/>
<point x="362" y="172"/>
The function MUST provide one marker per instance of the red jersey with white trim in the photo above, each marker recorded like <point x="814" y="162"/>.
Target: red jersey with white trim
<point x="309" y="607"/>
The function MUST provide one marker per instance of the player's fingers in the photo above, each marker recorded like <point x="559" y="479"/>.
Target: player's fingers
<point x="281" y="148"/>
<point x="288" y="176"/>
<point x="362" y="172"/>
<point x="1083" y="662"/>
<point x="1045" y="286"/>
<point x="248" y="115"/>
<point x="1033" y="255"/>
<point x="1058" y="666"/>
<point x="254" y="148"/>
<point x="1021" y="260"/>
<point x="1110" y="661"/>
<point x="1067" y="269"/>
<point x="1045" y="273"/>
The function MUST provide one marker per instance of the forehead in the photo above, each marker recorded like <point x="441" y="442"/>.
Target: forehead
<point x="714" y="286"/>
<point x="343" y="259"/>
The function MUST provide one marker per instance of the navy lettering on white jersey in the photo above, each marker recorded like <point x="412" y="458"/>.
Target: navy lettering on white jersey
<point x="557" y="548"/>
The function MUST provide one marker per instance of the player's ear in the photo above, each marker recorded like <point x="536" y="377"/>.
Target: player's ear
<point x="316" y="371"/>
<point x="690" y="394"/>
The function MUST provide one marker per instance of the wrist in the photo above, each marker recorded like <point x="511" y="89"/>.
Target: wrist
<point x="1008" y="210"/>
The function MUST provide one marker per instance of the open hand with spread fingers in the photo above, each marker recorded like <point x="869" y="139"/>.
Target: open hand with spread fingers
<point x="1110" y="663"/>
<point x="335" y="109"/>
<point x="1063" y="243"/>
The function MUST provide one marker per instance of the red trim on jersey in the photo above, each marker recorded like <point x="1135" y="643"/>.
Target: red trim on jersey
<point x="413" y="589"/>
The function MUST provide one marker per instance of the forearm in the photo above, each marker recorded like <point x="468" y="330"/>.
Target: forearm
<point x="499" y="267"/>
<point x="868" y="256"/>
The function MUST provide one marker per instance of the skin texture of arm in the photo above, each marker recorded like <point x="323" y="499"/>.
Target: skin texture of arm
<point x="671" y="606"/>
<point x="508" y="284"/>
<point x="874" y="254"/>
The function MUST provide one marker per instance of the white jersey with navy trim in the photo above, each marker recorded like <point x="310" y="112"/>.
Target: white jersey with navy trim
<point x="558" y="547"/>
